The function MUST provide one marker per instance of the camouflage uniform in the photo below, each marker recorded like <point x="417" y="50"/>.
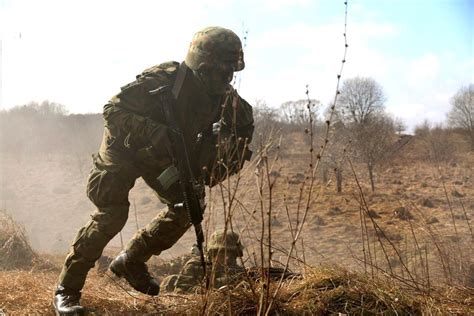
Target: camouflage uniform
<point x="191" y="276"/>
<point x="136" y="144"/>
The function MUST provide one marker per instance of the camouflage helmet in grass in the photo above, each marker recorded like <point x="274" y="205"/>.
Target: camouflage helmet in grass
<point x="215" y="46"/>
<point x="228" y="241"/>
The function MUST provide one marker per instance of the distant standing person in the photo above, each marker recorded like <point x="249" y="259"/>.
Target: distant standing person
<point x="136" y="143"/>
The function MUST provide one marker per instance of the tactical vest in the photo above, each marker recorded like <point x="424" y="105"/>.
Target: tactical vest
<point x="134" y="113"/>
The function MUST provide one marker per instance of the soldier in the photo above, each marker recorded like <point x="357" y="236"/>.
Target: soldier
<point x="223" y="250"/>
<point x="136" y="143"/>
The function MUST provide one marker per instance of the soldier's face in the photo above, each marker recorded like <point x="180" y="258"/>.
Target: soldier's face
<point x="217" y="79"/>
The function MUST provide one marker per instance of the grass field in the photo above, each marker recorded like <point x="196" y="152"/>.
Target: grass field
<point x="408" y="245"/>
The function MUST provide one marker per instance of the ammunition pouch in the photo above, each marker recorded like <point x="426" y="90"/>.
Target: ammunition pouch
<point x="168" y="177"/>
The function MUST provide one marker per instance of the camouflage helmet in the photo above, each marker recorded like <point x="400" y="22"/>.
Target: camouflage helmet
<point x="229" y="240"/>
<point x="215" y="46"/>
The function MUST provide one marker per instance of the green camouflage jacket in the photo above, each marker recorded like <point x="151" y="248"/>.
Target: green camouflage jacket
<point x="136" y="141"/>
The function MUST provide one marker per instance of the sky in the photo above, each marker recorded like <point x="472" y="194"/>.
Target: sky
<point x="79" y="53"/>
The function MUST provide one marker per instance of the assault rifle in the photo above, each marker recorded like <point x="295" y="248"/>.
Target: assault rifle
<point x="193" y="191"/>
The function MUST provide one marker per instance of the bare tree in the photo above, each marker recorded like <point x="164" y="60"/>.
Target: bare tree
<point x="434" y="143"/>
<point x="335" y="157"/>
<point x="400" y="125"/>
<point x="360" y="109"/>
<point x="373" y="142"/>
<point x="462" y="111"/>
<point x="440" y="144"/>
<point x="266" y="119"/>
<point x="423" y="129"/>
<point x="296" y="112"/>
<point x="360" y="98"/>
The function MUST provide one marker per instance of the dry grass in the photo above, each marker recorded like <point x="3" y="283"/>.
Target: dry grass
<point x="435" y="256"/>
<point x="322" y="291"/>
<point x="15" y="250"/>
<point x="336" y="290"/>
<point x="23" y="292"/>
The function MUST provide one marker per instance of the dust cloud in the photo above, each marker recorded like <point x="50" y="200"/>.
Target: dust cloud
<point x="45" y="159"/>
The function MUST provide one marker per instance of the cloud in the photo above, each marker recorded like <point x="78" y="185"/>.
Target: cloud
<point x="421" y="88"/>
<point x="284" y="59"/>
<point x="408" y="110"/>
<point x="415" y="113"/>
<point x="82" y="61"/>
<point x="423" y="70"/>
<point x="80" y="53"/>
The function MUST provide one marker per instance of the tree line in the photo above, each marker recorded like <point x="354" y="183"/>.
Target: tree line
<point x="360" y="128"/>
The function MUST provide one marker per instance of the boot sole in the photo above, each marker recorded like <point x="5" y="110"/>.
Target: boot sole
<point x="57" y="313"/>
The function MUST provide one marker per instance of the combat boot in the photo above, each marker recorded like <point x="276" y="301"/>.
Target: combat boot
<point x="66" y="301"/>
<point x="136" y="273"/>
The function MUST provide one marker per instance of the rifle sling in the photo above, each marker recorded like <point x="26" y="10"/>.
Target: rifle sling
<point x="179" y="80"/>
<point x="175" y="91"/>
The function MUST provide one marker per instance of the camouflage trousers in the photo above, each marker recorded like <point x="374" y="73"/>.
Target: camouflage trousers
<point x="109" y="192"/>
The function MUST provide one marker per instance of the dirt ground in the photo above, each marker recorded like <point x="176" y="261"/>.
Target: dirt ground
<point x="46" y="194"/>
<point x="419" y="206"/>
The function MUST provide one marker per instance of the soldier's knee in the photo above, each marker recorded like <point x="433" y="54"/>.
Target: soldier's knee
<point x="105" y="188"/>
<point x="89" y="242"/>
<point x="105" y="224"/>
<point x="111" y="220"/>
